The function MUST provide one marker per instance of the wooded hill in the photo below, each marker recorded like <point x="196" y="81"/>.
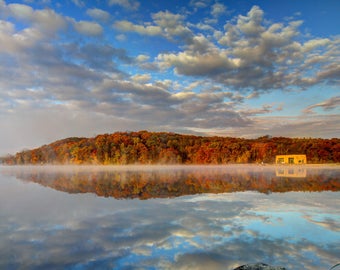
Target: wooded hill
<point x="145" y="147"/>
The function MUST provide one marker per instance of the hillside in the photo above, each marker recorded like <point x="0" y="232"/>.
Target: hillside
<point x="145" y="147"/>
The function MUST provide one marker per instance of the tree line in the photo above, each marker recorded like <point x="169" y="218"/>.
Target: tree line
<point x="145" y="147"/>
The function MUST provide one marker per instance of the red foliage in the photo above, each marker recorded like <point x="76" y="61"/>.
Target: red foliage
<point x="169" y="148"/>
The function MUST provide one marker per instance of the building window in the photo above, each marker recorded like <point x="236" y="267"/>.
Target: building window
<point x="291" y="160"/>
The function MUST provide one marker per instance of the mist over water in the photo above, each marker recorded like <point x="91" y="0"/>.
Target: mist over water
<point x="182" y="217"/>
<point x="146" y="182"/>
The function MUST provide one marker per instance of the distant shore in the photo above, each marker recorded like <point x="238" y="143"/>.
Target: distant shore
<point x="143" y="147"/>
<point x="176" y="166"/>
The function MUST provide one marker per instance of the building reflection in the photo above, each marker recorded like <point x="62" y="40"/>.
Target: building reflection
<point x="292" y="172"/>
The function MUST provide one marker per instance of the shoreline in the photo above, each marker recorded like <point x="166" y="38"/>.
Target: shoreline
<point x="248" y="166"/>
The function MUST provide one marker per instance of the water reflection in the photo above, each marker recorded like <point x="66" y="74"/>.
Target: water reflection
<point x="43" y="228"/>
<point x="291" y="172"/>
<point x="172" y="181"/>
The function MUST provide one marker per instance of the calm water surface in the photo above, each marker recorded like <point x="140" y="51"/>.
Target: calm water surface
<point x="188" y="217"/>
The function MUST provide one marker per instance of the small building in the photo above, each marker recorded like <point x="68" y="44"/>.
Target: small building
<point x="291" y="159"/>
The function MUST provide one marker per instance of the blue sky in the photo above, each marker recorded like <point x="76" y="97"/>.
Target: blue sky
<point x="207" y="67"/>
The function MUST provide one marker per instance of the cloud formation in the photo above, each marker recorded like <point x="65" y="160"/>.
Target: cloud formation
<point x="88" y="28"/>
<point x="98" y="14"/>
<point x="258" y="56"/>
<point x="327" y="105"/>
<point x="166" y="24"/>
<point x="127" y="4"/>
<point x="140" y="29"/>
<point x="203" y="69"/>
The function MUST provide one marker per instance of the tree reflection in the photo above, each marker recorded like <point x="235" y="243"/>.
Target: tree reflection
<point x="146" y="184"/>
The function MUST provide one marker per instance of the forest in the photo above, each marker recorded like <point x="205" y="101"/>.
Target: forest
<point x="143" y="147"/>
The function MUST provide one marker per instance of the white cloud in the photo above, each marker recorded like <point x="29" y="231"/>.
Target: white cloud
<point x="141" y="78"/>
<point x="20" y="11"/>
<point x="127" y="26"/>
<point x="88" y="28"/>
<point x="204" y="26"/>
<point x="199" y="3"/>
<point x="78" y="3"/>
<point x="252" y="23"/>
<point x="7" y="30"/>
<point x="98" y="14"/>
<point x="48" y="20"/>
<point x="294" y="126"/>
<point x="184" y="95"/>
<point x="127" y="4"/>
<point x="197" y="65"/>
<point x="45" y="20"/>
<point x="327" y="105"/>
<point x="314" y="43"/>
<point x="142" y="58"/>
<point x="166" y="24"/>
<point x="218" y="9"/>
<point x="172" y="25"/>
<point x="200" y="44"/>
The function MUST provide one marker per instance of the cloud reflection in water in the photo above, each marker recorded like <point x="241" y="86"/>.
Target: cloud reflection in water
<point x="41" y="228"/>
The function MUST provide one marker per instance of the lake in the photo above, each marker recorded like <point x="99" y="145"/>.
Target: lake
<point x="169" y="217"/>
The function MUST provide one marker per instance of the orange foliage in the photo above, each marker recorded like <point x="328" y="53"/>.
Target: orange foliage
<point x="169" y="148"/>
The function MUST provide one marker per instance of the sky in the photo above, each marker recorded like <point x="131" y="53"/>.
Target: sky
<point x="206" y="67"/>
